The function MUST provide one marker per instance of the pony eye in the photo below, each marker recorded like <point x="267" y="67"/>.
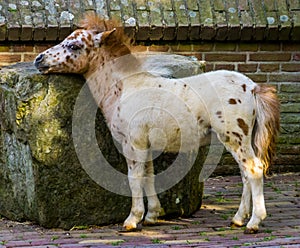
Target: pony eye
<point x="74" y="47"/>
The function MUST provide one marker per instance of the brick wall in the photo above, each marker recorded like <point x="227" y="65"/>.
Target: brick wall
<point x="275" y="63"/>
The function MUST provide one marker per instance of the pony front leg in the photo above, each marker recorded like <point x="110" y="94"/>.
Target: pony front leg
<point x="154" y="207"/>
<point x="136" y="182"/>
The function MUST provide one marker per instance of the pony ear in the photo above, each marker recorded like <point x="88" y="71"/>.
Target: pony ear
<point x="103" y="37"/>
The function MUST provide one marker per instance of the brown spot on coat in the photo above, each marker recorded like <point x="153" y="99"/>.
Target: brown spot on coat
<point x="218" y="112"/>
<point x="244" y="87"/>
<point x="232" y="101"/>
<point x="242" y="124"/>
<point x="240" y="137"/>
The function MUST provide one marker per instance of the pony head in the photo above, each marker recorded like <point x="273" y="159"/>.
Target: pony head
<point x="98" y="40"/>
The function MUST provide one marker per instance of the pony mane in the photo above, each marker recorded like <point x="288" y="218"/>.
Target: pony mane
<point x="92" y="21"/>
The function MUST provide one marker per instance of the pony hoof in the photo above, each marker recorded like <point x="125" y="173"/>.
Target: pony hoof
<point x="128" y="229"/>
<point x="232" y="224"/>
<point x="250" y="231"/>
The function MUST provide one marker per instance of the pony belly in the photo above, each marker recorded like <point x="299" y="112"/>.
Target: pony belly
<point x="175" y="142"/>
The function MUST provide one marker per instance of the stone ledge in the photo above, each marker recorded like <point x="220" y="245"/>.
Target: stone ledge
<point x="253" y="20"/>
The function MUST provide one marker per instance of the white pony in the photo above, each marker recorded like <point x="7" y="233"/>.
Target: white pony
<point x="145" y="112"/>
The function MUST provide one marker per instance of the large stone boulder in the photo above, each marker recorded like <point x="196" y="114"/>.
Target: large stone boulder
<point x="41" y="178"/>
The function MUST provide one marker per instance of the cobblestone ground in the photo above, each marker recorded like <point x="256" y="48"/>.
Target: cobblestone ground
<point x="209" y="227"/>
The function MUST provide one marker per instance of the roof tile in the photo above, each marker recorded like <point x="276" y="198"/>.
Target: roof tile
<point x="246" y="20"/>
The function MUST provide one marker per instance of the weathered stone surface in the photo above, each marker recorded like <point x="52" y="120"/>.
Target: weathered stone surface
<point x="41" y="178"/>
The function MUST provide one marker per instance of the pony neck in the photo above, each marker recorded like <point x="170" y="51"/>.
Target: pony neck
<point x="106" y="74"/>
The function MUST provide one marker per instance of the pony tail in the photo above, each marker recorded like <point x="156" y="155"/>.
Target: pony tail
<point x="267" y="124"/>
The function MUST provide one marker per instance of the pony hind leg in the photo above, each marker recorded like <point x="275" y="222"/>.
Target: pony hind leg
<point x="254" y="172"/>
<point x="244" y="207"/>
<point x="252" y="175"/>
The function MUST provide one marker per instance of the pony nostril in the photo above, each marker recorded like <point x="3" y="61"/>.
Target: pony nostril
<point x="39" y="58"/>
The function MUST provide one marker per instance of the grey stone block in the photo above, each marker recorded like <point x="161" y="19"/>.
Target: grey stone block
<point x="41" y="178"/>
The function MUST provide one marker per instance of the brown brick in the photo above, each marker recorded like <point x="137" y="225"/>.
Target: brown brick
<point x="29" y="57"/>
<point x="258" y="77"/>
<point x="270" y="46"/>
<point x="234" y="57"/>
<point x="284" y="77"/>
<point x="4" y="48"/>
<point x="291" y="67"/>
<point x="224" y="46"/>
<point x="182" y="47"/>
<point x="209" y="67"/>
<point x="10" y="58"/>
<point x="158" y="48"/>
<point x="185" y="47"/>
<point x="42" y="48"/>
<point x="247" y="67"/>
<point x="202" y="47"/>
<point x="224" y="67"/>
<point x="174" y="47"/>
<point x="248" y="47"/>
<point x="22" y="48"/>
<point x="296" y="57"/>
<point x="270" y="56"/>
<point x="290" y="46"/>
<point x="269" y="67"/>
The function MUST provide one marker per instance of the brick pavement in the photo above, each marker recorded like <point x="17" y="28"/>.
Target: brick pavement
<point x="207" y="228"/>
